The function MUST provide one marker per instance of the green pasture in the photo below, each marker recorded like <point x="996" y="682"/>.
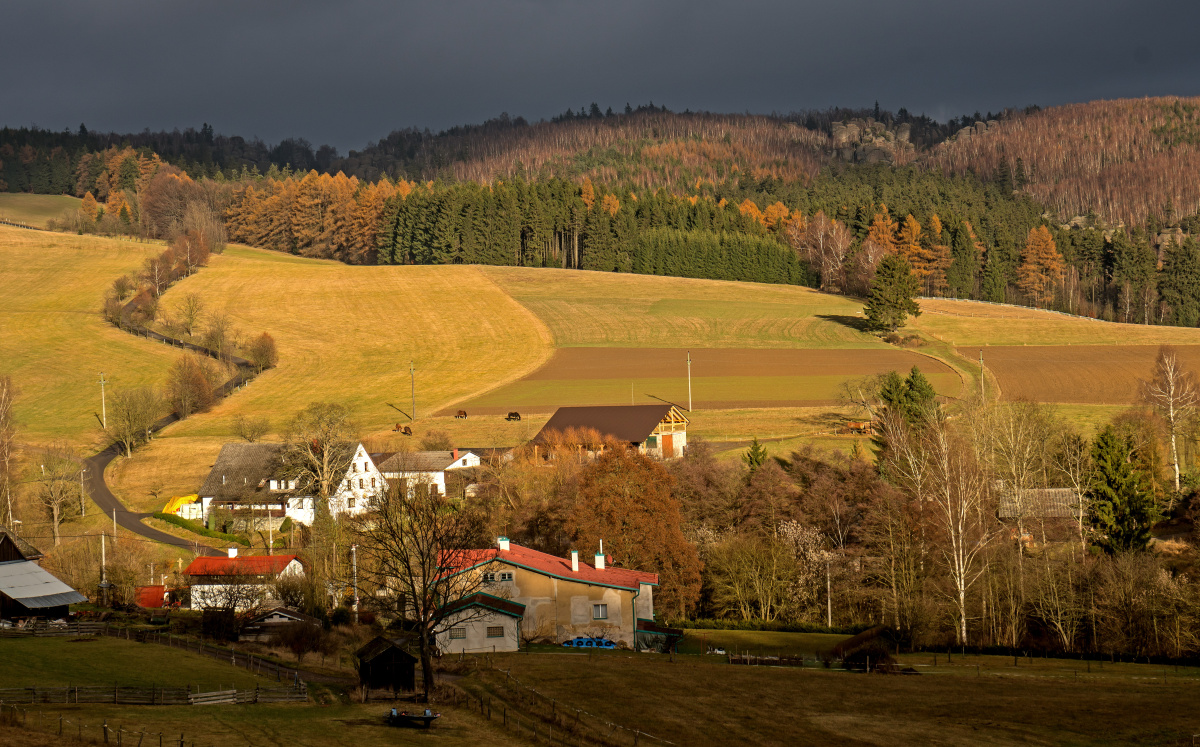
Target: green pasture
<point x="758" y="642"/>
<point x="35" y="210"/>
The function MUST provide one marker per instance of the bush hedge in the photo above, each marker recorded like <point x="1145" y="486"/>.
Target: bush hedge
<point x="192" y="526"/>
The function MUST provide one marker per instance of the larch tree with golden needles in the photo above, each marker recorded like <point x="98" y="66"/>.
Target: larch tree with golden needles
<point x="1041" y="269"/>
<point x="908" y="245"/>
<point x="90" y="207"/>
<point x="882" y="231"/>
<point x="937" y="254"/>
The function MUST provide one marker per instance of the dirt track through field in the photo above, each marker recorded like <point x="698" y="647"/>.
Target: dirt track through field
<point x="1076" y="374"/>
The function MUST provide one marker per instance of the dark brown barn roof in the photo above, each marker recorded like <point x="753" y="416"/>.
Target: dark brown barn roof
<point x="18" y="548"/>
<point x="1039" y="503"/>
<point x="630" y="423"/>
<point x="240" y="468"/>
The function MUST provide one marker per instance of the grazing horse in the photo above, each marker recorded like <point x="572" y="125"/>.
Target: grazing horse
<point x="404" y="430"/>
<point x="513" y="416"/>
<point x="460" y="414"/>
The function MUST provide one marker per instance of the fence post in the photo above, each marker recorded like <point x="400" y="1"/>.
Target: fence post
<point x="105" y="728"/>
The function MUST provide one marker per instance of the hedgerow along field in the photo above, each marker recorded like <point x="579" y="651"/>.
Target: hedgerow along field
<point x="35" y="210"/>
<point x="52" y="340"/>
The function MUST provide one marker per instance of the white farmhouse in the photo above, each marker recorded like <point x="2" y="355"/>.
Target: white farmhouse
<point x="414" y="469"/>
<point x="238" y="583"/>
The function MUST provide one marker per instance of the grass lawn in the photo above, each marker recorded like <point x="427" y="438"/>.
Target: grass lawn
<point x="52" y="340"/>
<point x="35" y="210"/>
<point x="702" y="700"/>
<point x="58" y="662"/>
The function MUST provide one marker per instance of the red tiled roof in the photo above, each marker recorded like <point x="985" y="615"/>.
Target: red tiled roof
<point x="243" y="565"/>
<point x="553" y="565"/>
<point x="150" y="597"/>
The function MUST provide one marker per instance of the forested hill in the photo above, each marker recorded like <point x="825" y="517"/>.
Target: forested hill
<point x="814" y="198"/>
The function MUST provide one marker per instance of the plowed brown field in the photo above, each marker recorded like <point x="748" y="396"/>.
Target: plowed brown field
<point x="1081" y="374"/>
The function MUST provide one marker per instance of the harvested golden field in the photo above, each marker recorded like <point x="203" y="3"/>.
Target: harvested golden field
<point x="35" y="210"/>
<point x="963" y="323"/>
<point x="52" y="340"/>
<point x="347" y="334"/>
<point x="1080" y="374"/>
<point x="597" y="309"/>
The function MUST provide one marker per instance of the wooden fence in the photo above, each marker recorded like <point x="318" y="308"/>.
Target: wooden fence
<point x="42" y="629"/>
<point x="532" y="715"/>
<point x="140" y="695"/>
<point x="13" y="717"/>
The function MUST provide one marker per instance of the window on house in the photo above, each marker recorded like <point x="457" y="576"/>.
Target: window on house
<point x="506" y="576"/>
<point x="352" y="500"/>
<point x="489" y="578"/>
<point x="495" y="631"/>
<point x="360" y="483"/>
<point x="599" y="611"/>
<point x="354" y="467"/>
<point x="372" y="482"/>
<point x="458" y="633"/>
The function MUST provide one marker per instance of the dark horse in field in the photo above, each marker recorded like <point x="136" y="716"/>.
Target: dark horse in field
<point x="513" y="416"/>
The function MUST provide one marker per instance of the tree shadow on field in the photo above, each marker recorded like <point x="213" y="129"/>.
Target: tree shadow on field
<point x="856" y="323"/>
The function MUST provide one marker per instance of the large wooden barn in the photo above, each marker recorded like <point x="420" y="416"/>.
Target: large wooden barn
<point x="658" y="430"/>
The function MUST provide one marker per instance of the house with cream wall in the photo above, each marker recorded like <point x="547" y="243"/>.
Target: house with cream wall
<point x="567" y="597"/>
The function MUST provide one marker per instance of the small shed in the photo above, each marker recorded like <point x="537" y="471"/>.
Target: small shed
<point x="387" y="664"/>
<point x="27" y="590"/>
<point x="13" y="547"/>
<point x="151" y="597"/>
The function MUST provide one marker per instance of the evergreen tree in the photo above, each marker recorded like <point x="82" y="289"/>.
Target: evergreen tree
<point x="893" y="295"/>
<point x="1180" y="282"/>
<point x="755" y="456"/>
<point x="1120" y="506"/>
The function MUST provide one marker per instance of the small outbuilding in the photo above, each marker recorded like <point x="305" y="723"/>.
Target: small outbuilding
<point x="481" y="622"/>
<point x="28" y="590"/>
<point x="387" y="664"/>
<point x="657" y="430"/>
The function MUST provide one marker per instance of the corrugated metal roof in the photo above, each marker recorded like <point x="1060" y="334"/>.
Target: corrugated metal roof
<point x="629" y="423"/>
<point x="33" y="586"/>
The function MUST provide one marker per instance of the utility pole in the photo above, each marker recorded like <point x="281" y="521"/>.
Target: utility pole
<point x="114" y="525"/>
<point x="689" y="381"/>
<point x="82" y="493"/>
<point x="354" y="574"/>
<point x="103" y="562"/>
<point x="982" y="395"/>
<point x="151" y="573"/>
<point x="412" y="380"/>
<point x="103" y="404"/>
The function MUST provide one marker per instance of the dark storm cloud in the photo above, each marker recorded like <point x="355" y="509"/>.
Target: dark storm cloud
<point x="349" y="72"/>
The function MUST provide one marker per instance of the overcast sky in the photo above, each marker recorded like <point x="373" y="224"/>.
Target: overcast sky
<point x="347" y="72"/>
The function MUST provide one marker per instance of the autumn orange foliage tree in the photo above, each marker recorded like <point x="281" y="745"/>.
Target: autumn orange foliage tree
<point x="1041" y="269"/>
<point x="625" y="500"/>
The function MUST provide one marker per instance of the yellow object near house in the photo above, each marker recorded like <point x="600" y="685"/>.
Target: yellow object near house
<point x="173" y="505"/>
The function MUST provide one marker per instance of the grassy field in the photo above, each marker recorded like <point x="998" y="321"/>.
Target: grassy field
<point x="333" y="719"/>
<point x="35" y="210"/>
<point x="702" y="700"/>
<point x="58" y="662"/>
<point x="759" y="642"/>
<point x="969" y="323"/>
<point x="596" y="309"/>
<point x="52" y="340"/>
<point x="347" y="334"/>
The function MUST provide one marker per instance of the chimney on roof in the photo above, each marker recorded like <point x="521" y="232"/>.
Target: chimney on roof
<point x="232" y="552"/>
<point x="600" y="557"/>
<point x="456" y="453"/>
<point x="502" y="543"/>
<point x="575" y="561"/>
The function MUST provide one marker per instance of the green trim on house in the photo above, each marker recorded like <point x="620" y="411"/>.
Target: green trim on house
<point x="554" y="575"/>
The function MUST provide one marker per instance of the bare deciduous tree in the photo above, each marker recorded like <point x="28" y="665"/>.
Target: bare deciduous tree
<point x="188" y="312"/>
<point x="418" y="548"/>
<point x="1173" y="393"/>
<point x="58" y="485"/>
<point x="249" y="428"/>
<point x="131" y="413"/>
<point x="8" y="444"/>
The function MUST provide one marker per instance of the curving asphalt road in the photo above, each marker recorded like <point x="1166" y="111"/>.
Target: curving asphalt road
<point x="126" y="519"/>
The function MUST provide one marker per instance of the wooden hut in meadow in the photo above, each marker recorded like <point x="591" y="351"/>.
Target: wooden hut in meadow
<point x="387" y="664"/>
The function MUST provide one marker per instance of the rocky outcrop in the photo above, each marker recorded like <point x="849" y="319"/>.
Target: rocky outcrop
<point x="869" y="141"/>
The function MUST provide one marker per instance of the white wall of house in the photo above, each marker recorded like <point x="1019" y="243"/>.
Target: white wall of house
<point x="474" y="631"/>
<point x="210" y="595"/>
<point x="362" y="481"/>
